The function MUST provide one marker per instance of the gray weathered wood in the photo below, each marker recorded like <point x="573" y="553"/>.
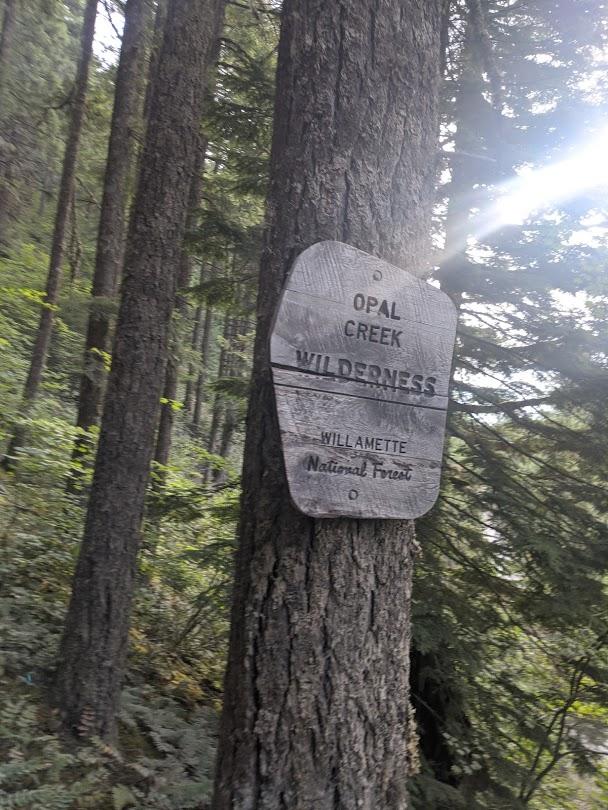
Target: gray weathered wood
<point x="361" y="354"/>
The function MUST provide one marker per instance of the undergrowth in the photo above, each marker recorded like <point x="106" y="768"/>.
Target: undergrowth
<point x="164" y="756"/>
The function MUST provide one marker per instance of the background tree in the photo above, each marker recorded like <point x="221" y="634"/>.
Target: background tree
<point x="112" y="221"/>
<point x="93" y="650"/>
<point x="45" y="326"/>
<point x="510" y="386"/>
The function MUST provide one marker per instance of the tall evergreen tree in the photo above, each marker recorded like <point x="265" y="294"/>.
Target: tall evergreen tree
<point x="93" y="649"/>
<point x="45" y="326"/>
<point x="316" y="703"/>
<point x="167" y="411"/>
<point x="503" y="529"/>
<point x="112" y="221"/>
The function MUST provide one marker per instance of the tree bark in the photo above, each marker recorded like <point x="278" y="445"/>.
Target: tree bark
<point x="195" y="341"/>
<point x="195" y="345"/>
<point x="160" y="19"/>
<point x="167" y="411"/>
<point x="316" y="713"/>
<point x="112" y="221"/>
<point x="94" y="644"/>
<point x="53" y="283"/>
<point x="218" y="400"/>
<point x="202" y="374"/>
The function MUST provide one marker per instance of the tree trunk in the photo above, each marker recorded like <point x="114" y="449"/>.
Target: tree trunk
<point x="218" y="400"/>
<point x="195" y="345"/>
<point x="202" y="374"/>
<point x="316" y="713"/>
<point x="225" y="445"/>
<point x="7" y="32"/>
<point x="167" y="411"/>
<point x="112" y="222"/>
<point x="157" y="41"/>
<point x="45" y="326"/>
<point x="439" y="701"/>
<point x="93" y="648"/>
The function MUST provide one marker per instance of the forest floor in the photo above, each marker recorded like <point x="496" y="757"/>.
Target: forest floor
<point x="164" y="756"/>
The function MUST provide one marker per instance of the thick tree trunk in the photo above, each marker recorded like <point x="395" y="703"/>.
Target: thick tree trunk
<point x="94" y="644"/>
<point x="167" y="411"/>
<point x="316" y="713"/>
<point x="45" y="326"/>
<point x="112" y="222"/>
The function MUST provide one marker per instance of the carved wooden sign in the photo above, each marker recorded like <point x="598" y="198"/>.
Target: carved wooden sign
<point x="361" y="353"/>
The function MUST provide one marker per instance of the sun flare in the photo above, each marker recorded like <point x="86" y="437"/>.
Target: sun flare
<point x="534" y="190"/>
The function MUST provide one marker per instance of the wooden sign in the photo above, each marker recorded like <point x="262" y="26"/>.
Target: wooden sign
<point x="361" y="353"/>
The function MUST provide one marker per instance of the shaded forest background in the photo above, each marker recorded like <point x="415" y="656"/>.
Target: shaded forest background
<point x="510" y="659"/>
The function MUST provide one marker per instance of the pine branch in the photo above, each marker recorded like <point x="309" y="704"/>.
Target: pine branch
<point x="502" y="407"/>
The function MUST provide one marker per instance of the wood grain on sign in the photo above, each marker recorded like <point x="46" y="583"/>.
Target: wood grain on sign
<point x="361" y="353"/>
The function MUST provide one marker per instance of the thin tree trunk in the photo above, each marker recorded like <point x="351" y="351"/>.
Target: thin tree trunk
<point x="195" y="344"/>
<point x="7" y="33"/>
<point x="45" y="326"/>
<point x="112" y="221"/>
<point x="225" y="444"/>
<point x="94" y="645"/>
<point x="202" y="374"/>
<point x="197" y="328"/>
<point x="316" y="713"/>
<point x="218" y="400"/>
<point x="234" y="369"/>
<point x="167" y="411"/>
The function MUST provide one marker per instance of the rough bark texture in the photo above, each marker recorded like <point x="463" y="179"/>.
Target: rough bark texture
<point x="316" y="712"/>
<point x="160" y="19"/>
<point x="94" y="644"/>
<point x="53" y="282"/>
<point x="112" y="221"/>
<point x="167" y="411"/>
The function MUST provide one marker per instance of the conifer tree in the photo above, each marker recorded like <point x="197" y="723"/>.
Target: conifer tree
<point x="167" y="411"/>
<point x="112" y="221"/>
<point x="312" y="680"/>
<point x="45" y="326"/>
<point x="504" y="513"/>
<point x="94" y="645"/>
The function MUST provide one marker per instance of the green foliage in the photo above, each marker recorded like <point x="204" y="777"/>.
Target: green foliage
<point x="510" y="597"/>
<point x="509" y="663"/>
<point x="164" y="756"/>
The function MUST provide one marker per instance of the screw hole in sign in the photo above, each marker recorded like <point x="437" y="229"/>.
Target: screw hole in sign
<point x="353" y="495"/>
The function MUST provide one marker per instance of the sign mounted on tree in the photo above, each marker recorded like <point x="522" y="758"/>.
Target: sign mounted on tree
<point x="361" y="353"/>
